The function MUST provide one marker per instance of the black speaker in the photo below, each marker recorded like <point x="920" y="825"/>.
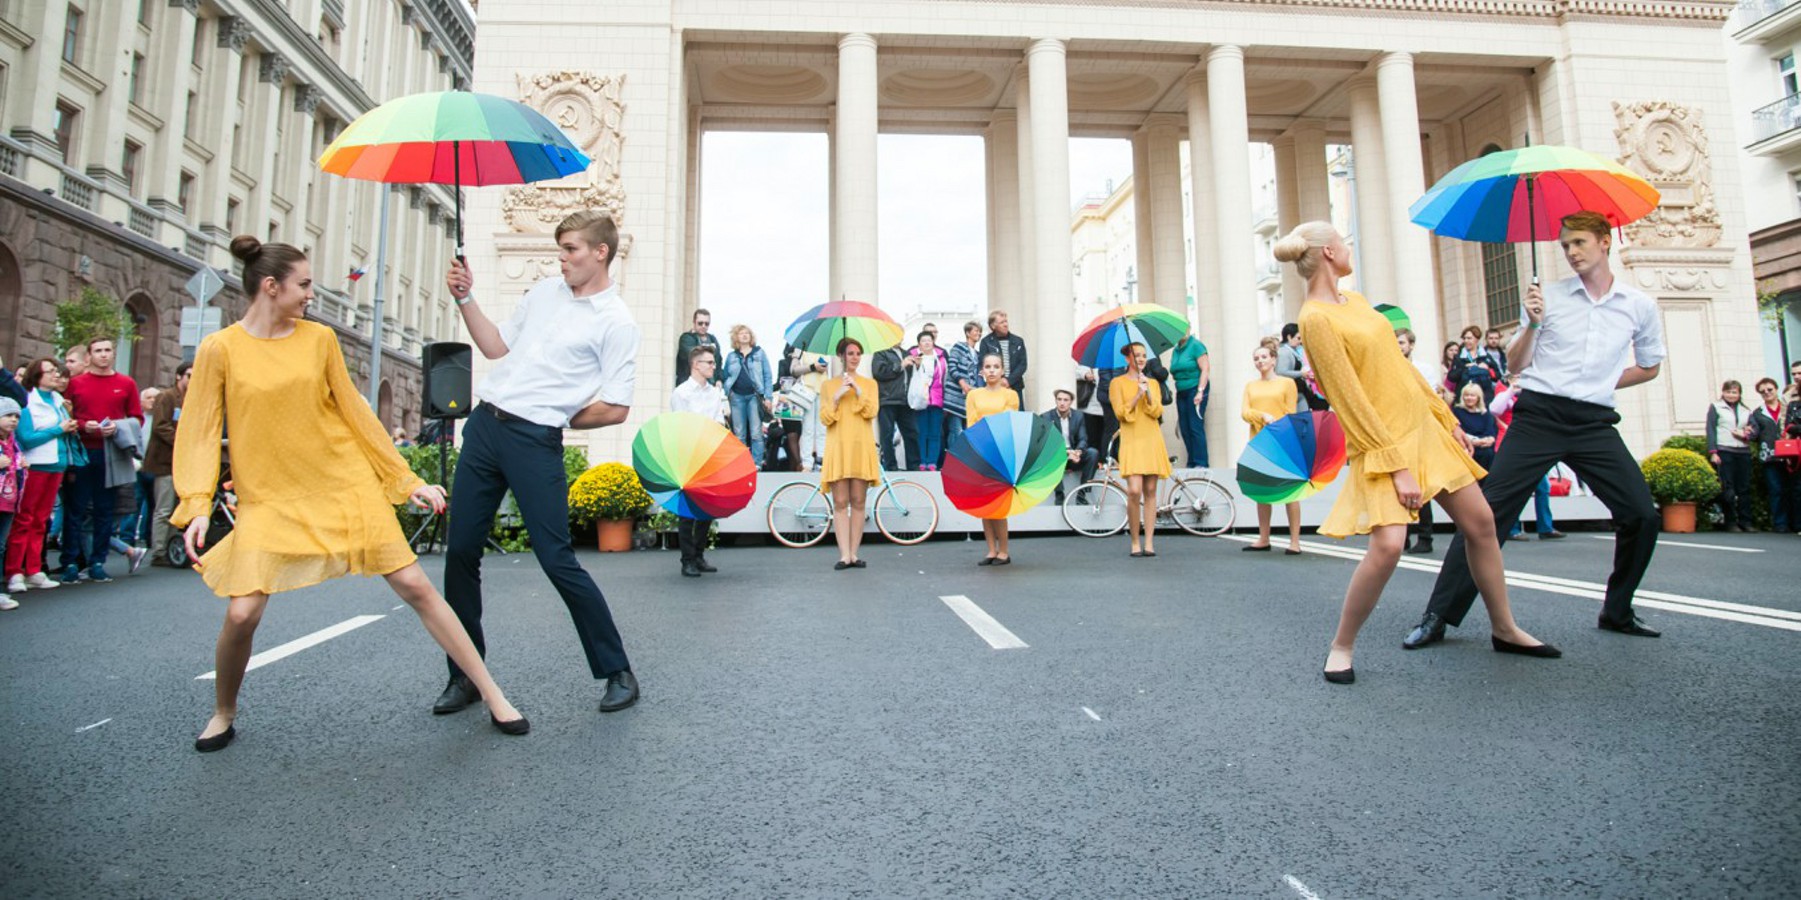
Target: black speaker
<point x="446" y="365"/>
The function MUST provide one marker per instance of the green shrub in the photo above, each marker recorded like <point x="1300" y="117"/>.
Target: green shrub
<point x="1680" y="476"/>
<point x="608" y="491"/>
<point x="1693" y="442"/>
<point x="509" y="528"/>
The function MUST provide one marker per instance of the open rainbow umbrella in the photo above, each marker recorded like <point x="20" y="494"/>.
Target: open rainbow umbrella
<point x="1004" y="465"/>
<point x="1395" y="315"/>
<point x="693" y="467"/>
<point x="1292" y="458"/>
<point x="1100" y="343"/>
<point x="456" y="138"/>
<point x="818" y="330"/>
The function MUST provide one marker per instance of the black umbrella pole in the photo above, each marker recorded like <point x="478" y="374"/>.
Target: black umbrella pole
<point x="456" y="190"/>
<point x="1531" y="230"/>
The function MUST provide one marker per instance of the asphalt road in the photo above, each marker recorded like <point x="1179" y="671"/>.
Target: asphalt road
<point x="805" y="732"/>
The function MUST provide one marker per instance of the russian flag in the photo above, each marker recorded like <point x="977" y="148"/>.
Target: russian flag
<point x="357" y="273"/>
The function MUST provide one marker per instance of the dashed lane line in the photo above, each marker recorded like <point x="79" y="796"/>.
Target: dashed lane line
<point x="983" y="624"/>
<point x="1661" y="542"/>
<point x="1305" y="892"/>
<point x="298" y="644"/>
<point x="93" y="726"/>
<point x="1092" y="714"/>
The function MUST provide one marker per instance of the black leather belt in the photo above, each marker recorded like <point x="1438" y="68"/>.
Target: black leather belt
<point x="505" y="416"/>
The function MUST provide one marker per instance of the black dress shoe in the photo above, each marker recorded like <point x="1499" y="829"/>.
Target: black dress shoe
<point x="1635" y="627"/>
<point x="1541" y="651"/>
<point x="622" y="691"/>
<point x="1430" y="630"/>
<point x="516" y="727"/>
<point x="690" y="570"/>
<point x="457" y="696"/>
<point x="705" y="566"/>
<point x="218" y="741"/>
<point x="1551" y="536"/>
<point x="1342" y="676"/>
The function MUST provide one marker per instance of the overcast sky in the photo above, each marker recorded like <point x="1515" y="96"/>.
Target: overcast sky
<point x="765" y="222"/>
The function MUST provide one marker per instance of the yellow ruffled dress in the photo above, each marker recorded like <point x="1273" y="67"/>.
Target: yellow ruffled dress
<point x="1141" y="447"/>
<point x="1392" y="418"/>
<point x="850" y="450"/>
<point x="316" y="475"/>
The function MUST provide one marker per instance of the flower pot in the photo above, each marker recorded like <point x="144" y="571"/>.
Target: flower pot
<point x="1679" y="518"/>
<point x="615" y="535"/>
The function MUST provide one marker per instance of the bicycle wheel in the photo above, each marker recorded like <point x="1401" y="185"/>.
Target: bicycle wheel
<point x="906" y="512"/>
<point x="799" y="515"/>
<point x="1202" y="506"/>
<point x="1096" y="509"/>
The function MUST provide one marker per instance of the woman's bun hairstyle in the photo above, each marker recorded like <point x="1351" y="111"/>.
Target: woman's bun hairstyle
<point x="245" y="247"/>
<point x="262" y="261"/>
<point x="1290" y="248"/>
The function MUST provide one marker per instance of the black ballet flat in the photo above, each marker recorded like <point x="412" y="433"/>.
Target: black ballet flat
<point x="1291" y="553"/>
<point x="840" y="566"/>
<point x="218" y="741"/>
<point x="858" y="564"/>
<point x="1003" y="560"/>
<point x="516" y="727"/>
<point x="1137" y="553"/>
<point x="1253" y="548"/>
<point x="986" y="561"/>
<point x="1541" y="651"/>
<point x="1341" y="676"/>
<point x="1150" y="553"/>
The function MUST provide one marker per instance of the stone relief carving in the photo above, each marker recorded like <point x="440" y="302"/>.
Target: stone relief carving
<point x="589" y="107"/>
<point x="1667" y="144"/>
<point x="1685" y="280"/>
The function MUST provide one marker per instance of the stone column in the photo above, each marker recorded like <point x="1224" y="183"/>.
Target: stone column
<point x="1144" y="242"/>
<point x="1410" y="244"/>
<point x="1288" y="215"/>
<point x="1049" y="353"/>
<point x="218" y="100"/>
<point x="1022" y="306"/>
<point x="1374" y="257"/>
<point x="262" y="128"/>
<point x="1169" y="257"/>
<point x="1209" y="303"/>
<point x="33" y="103"/>
<point x="1313" y="193"/>
<point x="1235" y="276"/>
<point x="854" y="200"/>
<point x="1003" y="212"/>
<point x="112" y="38"/>
<point x="171" y="75"/>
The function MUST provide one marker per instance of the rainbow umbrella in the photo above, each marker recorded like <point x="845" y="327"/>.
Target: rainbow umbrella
<point x="1292" y="458"/>
<point x="1100" y="343"/>
<point x="818" y="330"/>
<point x="1395" y="315"/>
<point x="693" y="467"/>
<point x="1004" y="465"/>
<point x="456" y="138"/>
<point x="1513" y="196"/>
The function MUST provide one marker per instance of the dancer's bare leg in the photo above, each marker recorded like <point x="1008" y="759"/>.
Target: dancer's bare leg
<point x="1264" y="513"/>
<point x="988" y="538"/>
<point x="419" y="593"/>
<point x="859" y="492"/>
<point x="1476" y="520"/>
<point x="841" y="519"/>
<point x="230" y="656"/>
<point x="1147" y="512"/>
<point x="1364" y="590"/>
<point x="1294" y="526"/>
<point x="1135" y="511"/>
<point x="1000" y="538"/>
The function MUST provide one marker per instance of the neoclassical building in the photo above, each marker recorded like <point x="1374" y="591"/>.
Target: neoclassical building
<point x="1413" y="87"/>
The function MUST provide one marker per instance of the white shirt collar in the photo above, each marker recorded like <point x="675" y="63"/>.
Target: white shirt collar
<point x="598" y="300"/>
<point x="1580" y="290"/>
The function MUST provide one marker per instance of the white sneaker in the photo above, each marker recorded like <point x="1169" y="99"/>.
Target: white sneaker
<point x="15" y="584"/>
<point x="7" y="602"/>
<point x="40" y="582"/>
<point x="137" y="555"/>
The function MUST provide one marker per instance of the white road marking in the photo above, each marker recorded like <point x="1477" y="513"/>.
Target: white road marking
<point x="93" y="726"/>
<point x="298" y="644"/>
<point x="1768" y="617"/>
<point x="1092" y="714"/>
<point x="983" y="624"/>
<point x="1300" y="888"/>
<point x="1664" y="543"/>
<point x="401" y="606"/>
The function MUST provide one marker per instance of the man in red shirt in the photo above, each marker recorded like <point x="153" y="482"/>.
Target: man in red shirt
<point x="101" y="397"/>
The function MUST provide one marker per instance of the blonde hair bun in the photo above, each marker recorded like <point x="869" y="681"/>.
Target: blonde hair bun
<point x="1290" y="248"/>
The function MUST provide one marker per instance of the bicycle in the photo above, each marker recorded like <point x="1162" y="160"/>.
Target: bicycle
<point x="1195" y="503"/>
<point x="800" y="514"/>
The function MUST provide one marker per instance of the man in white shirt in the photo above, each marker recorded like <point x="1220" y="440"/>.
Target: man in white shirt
<point x="1578" y="342"/>
<point x="701" y="396"/>
<point x="568" y="359"/>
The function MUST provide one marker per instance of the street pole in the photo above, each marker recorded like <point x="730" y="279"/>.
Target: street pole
<point x="381" y="283"/>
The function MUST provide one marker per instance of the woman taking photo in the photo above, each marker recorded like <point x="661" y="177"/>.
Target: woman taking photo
<point x="1143" y="457"/>
<point x="42" y="435"/>
<point x="847" y="408"/>
<point x="747" y="385"/>
<point x="930" y="419"/>
<point x="315" y="473"/>
<point x="992" y="397"/>
<point x="1404" y="448"/>
<point x="1478" y="424"/>
<point x="1265" y="400"/>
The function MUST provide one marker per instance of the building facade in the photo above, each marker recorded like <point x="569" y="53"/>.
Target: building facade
<point x="1414" y="87"/>
<point x="1763" y="37"/>
<point x="138" y="136"/>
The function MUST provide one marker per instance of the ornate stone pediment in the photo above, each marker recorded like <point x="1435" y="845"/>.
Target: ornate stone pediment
<point x="1667" y="144"/>
<point x="588" y="106"/>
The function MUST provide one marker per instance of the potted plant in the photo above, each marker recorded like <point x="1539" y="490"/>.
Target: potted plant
<point x="611" y="496"/>
<point x="1679" y="479"/>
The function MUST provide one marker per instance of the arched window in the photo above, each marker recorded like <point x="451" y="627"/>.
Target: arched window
<point x="140" y="358"/>
<point x="12" y="296"/>
<point x="384" y="406"/>
<point x="1500" y="278"/>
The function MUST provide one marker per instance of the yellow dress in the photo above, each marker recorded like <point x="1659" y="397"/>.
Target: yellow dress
<point x="1276" y="396"/>
<point x="1392" y="419"/>
<point x="986" y="401"/>
<point x="850" y="450"/>
<point x="316" y="474"/>
<point x="1141" y="447"/>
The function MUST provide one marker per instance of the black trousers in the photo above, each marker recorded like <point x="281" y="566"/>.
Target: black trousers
<point x="691" y="534"/>
<point x="1735" y="488"/>
<point x="1546" y="430"/>
<point x="501" y="452"/>
<point x="888" y="418"/>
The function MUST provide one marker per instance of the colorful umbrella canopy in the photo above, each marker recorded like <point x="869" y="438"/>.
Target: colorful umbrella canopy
<point x="1100" y="343"/>
<point x="1004" y="465"/>
<point x="1396" y="316"/>
<point x="693" y="467"/>
<point x="818" y="330"/>
<point x="1292" y="458"/>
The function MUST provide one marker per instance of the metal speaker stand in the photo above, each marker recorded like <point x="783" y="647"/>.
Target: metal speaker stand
<point x="434" y="522"/>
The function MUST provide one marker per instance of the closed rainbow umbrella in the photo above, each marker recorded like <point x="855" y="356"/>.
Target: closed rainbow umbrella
<point x="1004" y="465"/>
<point x="693" y="467"/>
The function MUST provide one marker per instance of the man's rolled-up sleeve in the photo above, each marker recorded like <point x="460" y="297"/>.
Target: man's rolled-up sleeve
<point x="619" y="364"/>
<point x="1647" y="341"/>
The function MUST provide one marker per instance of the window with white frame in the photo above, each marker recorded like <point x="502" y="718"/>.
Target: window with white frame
<point x="1785" y="73"/>
<point x="72" y="36"/>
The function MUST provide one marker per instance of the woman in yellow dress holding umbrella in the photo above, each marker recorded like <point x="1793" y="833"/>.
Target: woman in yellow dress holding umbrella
<point x="993" y="397"/>
<point x="847" y="407"/>
<point x="1267" y="399"/>
<point x="1143" y="457"/>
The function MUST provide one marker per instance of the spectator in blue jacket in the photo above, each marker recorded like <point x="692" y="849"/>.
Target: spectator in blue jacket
<point x="750" y="387"/>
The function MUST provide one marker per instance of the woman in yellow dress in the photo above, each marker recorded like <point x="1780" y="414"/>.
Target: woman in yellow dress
<point x="1403" y="445"/>
<point x="1265" y="400"/>
<point x="1143" y="457"/>
<point x="994" y="396"/>
<point x="846" y="409"/>
<point x="316" y="476"/>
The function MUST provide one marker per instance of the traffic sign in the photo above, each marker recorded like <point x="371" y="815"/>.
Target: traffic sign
<point x="197" y="322"/>
<point x="204" y="285"/>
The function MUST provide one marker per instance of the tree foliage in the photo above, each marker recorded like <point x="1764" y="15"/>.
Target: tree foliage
<point x="92" y="314"/>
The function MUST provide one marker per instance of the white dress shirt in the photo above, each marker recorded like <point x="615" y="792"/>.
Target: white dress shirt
<point x="1585" y="343"/>
<point x="701" y="397"/>
<point x="563" y="353"/>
